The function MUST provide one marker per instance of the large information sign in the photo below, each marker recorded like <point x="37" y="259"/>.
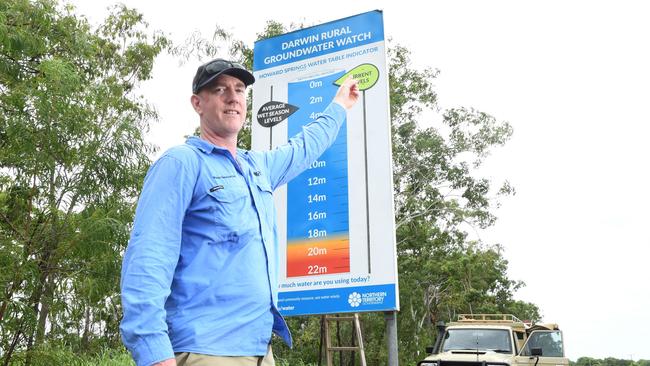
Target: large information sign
<point x="336" y="225"/>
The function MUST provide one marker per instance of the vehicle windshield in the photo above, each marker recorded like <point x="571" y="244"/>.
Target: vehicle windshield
<point x="497" y="340"/>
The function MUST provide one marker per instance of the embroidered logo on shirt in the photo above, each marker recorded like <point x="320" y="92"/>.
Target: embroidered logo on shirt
<point x="216" y="188"/>
<point x="257" y="173"/>
<point x="225" y="176"/>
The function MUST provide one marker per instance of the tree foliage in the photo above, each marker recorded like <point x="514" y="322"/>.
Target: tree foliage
<point x="609" y="361"/>
<point x="439" y="200"/>
<point x="72" y="160"/>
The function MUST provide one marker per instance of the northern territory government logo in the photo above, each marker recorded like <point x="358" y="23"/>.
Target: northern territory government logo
<point x="356" y="299"/>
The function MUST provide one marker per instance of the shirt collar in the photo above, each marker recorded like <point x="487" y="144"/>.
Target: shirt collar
<point x="203" y="146"/>
<point x="207" y="147"/>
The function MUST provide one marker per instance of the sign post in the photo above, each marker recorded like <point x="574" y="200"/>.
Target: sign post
<point x="336" y="219"/>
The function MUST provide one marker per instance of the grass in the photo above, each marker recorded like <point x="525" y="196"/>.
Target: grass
<point x="50" y="356"/>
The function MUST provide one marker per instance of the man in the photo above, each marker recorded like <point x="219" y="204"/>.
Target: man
<point x="199" y="277"/>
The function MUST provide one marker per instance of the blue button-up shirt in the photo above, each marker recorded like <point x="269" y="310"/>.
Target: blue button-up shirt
<point x="200" y="271"/>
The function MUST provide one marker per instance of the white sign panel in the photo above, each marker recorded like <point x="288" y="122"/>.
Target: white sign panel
<point x="336" y="219"/>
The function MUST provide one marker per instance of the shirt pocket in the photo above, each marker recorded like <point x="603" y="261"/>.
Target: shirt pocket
<point x="264" y="186"/>
<point x="229" y="205"/>
<point x="265" y="194"/>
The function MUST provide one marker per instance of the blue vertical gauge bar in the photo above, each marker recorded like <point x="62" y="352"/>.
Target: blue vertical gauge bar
<point x="317" y="199"/>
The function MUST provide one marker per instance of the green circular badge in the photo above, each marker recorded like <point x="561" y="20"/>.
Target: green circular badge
<point x="366" y="74"/>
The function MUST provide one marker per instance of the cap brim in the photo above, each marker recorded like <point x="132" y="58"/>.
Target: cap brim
<point x="241" y="74"/>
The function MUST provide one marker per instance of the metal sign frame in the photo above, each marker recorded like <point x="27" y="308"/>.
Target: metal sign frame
<point x="335" y="220"/>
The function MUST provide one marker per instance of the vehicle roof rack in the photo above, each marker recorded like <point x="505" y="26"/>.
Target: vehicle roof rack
<point x="492" y="318"/>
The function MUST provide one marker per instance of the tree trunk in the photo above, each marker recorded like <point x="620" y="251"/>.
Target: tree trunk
<point x="10" y="351"/>
<point x="86" y="335"/>
<point x="46" y="301"/>
<point x="35" y="300"/>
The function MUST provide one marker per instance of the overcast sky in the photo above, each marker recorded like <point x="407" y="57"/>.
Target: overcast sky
<point x="573" y="79"/>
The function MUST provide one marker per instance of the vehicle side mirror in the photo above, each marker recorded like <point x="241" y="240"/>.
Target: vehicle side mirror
<point x="536" y="352"/>
<point x="429" y="350"/>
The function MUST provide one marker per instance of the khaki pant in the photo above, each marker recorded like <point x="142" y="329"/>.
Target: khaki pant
<point x="196" y="359"/>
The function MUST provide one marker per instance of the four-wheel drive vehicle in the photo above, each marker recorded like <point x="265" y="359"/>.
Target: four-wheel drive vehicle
<point x="496" y="340"/>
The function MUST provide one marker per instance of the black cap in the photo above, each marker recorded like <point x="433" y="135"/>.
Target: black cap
<point x="210" y="70"/>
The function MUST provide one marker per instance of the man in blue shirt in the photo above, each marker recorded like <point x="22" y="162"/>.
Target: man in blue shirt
<point x="199" y="276"/>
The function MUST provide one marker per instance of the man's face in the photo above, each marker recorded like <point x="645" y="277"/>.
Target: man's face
<point x="221" y="106"/>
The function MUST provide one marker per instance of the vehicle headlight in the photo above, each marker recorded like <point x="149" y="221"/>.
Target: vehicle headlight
<point x="428" y="363"/>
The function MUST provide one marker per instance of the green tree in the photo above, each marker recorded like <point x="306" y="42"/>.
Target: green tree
<point x="609" y="361"/>
<point x="612" y="361"/>
<point x="72" y="158"/>
<point x="438" y="200"/>
<point x="588" y="361"/>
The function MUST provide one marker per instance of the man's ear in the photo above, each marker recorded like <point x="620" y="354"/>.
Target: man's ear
<point x="195" y="100"/>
